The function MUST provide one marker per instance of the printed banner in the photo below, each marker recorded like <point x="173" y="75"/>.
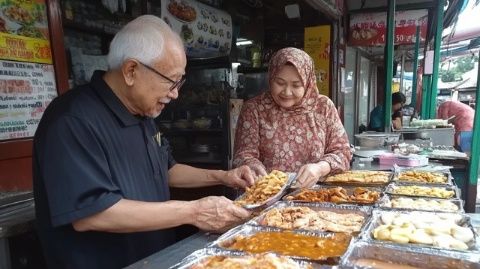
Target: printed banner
<point x="26" y="89"/>
<point x="369" y="29"/>
<point x="205" y="31"/>
<point x="24" y="31"/>
<point x="317" y="45"/>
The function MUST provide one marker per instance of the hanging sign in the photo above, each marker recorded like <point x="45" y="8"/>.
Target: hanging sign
<point x="26" y="89"/>
<point x="369" y="29"/>
<point x="205" y="31"/>
<point x="317" y="45"/>
<point x="24" y="31"/>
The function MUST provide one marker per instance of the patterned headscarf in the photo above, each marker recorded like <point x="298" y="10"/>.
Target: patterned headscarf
<point x="305" y="67"/>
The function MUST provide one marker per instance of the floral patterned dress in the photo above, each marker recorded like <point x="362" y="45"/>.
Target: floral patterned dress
<point x="273" y="137"/>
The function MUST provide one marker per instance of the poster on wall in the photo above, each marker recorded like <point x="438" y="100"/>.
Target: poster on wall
<point x="205" y="31"/>
<point x="369" y="29"/>
<point x="26" y="89"/>
<point x="317" y="45"/>
<point x="24" y="31"/>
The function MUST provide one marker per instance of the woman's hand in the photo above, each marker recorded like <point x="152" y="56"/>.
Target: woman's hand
<point x="309" y="174"/>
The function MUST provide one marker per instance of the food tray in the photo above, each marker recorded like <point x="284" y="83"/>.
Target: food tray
<point x="448" y="177"/>
<point x="349" y="190"/>
<point x="364" y="211"/>
<point x="391" y="187"/>
<point x="386" y="200"/>
<point x="247" y="230"/>
<point x="354" y="183"/>
<point x="273" y="199"/>
<point x="419" y="258"/>
<point x="463" y="221"/>
<point x="196" y="257"/>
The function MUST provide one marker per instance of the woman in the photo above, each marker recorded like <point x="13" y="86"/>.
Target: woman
<point x="291" y="127"/>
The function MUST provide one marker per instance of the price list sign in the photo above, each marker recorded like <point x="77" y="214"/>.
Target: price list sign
<point x="26" y="89"/>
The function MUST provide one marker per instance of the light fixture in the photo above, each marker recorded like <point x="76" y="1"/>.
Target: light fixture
<point x="244" y="42"/>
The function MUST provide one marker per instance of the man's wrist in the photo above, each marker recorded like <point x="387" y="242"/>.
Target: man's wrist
<point x="216" y="176"/>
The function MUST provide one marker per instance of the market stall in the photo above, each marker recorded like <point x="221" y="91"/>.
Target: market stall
<point x="359" y="218"/>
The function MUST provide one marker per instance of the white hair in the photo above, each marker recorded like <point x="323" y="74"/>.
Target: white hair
<point x="142" y="39"/>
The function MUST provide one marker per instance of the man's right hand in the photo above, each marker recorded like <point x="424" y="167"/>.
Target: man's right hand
<point x="215" y="213"/>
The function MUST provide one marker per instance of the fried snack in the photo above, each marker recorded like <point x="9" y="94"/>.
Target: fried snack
<point x="264" y="188"/>
<point x="414" y="190"/>
<point x="437" y="230"/>
<point x="292" y="244"/>
<point x="422" y="176"/>
<point x="359" y="176"/>
<point x="423" y="204"/>
<point x="305" y="218"/>
<point x="336" y="195"/>
<point x="260" y="261"/>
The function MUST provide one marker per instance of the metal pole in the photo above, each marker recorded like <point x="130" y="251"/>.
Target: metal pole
<point x="402" y="73"/>
<point x="413" y="102"/>
<point x="425" y="95"/>
<point x="389" y="65"/>
<point x="475" y="152"/>
<point x="436" y="60"/>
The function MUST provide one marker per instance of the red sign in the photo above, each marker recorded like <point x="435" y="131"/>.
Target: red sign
<point x="369" y="29"/>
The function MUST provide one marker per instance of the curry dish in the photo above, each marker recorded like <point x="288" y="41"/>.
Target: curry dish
<point x="292" y="244"/>
<point x="336" y="195"/>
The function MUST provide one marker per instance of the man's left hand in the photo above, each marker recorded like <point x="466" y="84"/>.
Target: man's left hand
<point x="240" y="177"/>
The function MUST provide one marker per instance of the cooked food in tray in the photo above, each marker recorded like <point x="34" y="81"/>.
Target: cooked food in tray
<point x="422" y="204"/>
<point x="422" y="176"/>
<point x="438" y="192"/>
<point x="182" y="10"/>
<point x="296" y="217"/>
<point x="264" y="188"/>
<point x="293" y="244"/>
<point x="378" y="264"/>
<point x="336" y="195"/>
<point x="260" y="261"/>
<point x="439" y="230"/>
<point x="360" y="176"/>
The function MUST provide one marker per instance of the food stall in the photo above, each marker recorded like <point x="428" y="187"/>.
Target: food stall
<point x="408" y="217"/>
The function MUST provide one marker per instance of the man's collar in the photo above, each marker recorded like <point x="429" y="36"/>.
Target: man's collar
<point x="111" y="100"/>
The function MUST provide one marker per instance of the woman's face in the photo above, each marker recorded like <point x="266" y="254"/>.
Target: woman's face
<point x="287" y="87"/>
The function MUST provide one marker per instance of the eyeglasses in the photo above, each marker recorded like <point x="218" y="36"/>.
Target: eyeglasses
<point x="175" y="84"/>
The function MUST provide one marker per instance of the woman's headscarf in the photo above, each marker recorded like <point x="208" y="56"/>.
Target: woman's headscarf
<point x="305" y="67"/>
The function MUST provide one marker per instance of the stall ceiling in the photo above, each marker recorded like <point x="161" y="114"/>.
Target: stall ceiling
<point x="364" y="4"/>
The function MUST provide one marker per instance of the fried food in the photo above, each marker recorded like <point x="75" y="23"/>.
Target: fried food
<point x="422" y="176"/>
<point x="305" y="218"/>
<point x="293" y="244"/>
<point x="260" y="261"/>
<point x="414" y="190"/>
<point x="423" y="204"/>
<point x="336" y="195"/>
<point x="264" y="188"/>
<point x="360" y="176"/>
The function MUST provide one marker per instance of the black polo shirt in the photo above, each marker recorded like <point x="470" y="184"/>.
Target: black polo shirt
<point x="90" y="152"/>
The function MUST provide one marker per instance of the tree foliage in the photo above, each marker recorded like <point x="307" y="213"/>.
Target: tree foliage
<point x="458" y="67"/>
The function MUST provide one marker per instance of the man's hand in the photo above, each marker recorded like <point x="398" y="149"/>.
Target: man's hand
<point x="216" y="213"/>
<point x="240" y="177"/>
<point x="309" y="174"/>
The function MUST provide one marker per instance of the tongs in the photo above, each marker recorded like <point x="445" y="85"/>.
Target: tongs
<point x="450" y="120"/>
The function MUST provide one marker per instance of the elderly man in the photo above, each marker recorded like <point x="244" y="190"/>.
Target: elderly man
<point x="101" y="171"/>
